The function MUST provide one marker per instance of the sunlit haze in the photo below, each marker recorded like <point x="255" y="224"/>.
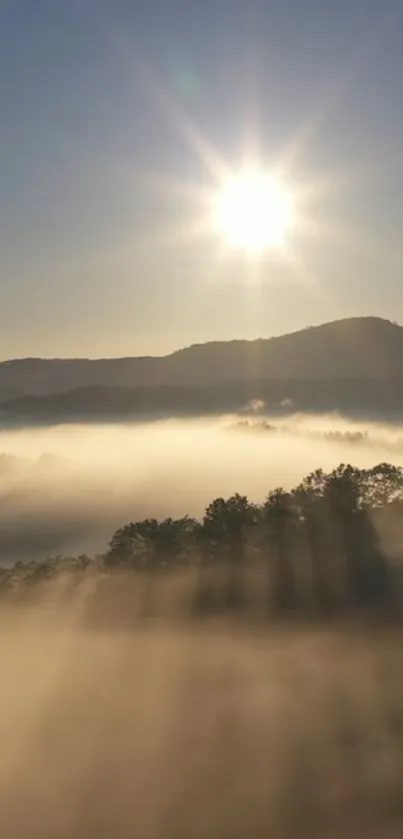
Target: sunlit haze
<point x="121" y="120"/>
<point x="66" y="488"/>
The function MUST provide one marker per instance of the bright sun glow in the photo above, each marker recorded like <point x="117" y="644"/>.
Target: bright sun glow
<point x="254" y="212"/>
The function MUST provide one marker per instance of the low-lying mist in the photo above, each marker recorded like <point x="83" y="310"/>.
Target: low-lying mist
<point x="196" y="732"/>
<point x="66" y="489"/>
<point x="127" y="712"/>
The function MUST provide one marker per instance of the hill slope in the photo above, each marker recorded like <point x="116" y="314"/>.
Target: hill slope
<point x="354" y="348"/>
<point x="354" y="366"/>
<point x="363" y="398"/>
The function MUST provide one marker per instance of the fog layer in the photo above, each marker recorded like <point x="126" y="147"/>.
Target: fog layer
<point x="67" y="488"/>
<point x="195" y="735"/>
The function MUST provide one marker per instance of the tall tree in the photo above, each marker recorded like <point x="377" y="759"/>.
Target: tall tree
<point x="227" y="526"/>
<point x="280" y="520"/>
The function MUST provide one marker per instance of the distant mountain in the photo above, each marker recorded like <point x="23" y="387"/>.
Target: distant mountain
<point x="353" y="365"/>
<point x="364" y="398"/>
<point x="354" y="347"/>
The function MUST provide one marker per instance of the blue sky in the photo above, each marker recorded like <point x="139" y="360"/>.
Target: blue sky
<point x="89" y="263"/>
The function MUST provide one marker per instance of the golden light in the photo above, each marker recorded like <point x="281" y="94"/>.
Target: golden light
<point x="253" y="211"/>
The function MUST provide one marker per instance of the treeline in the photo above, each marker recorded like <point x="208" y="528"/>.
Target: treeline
<point x="349" y="437"/>
<point x="330" y="545"/>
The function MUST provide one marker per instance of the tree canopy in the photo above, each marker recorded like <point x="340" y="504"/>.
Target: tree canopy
<point x="322" y="546"/>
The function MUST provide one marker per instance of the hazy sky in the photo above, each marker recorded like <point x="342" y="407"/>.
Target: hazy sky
<point x="94" y="98"/>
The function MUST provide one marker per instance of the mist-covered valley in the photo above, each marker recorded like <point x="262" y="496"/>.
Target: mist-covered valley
<point x="65" y="489"/>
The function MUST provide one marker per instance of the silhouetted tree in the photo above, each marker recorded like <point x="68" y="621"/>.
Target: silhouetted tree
<point x="315" y="542"/>
<point x="280" y="523"/>
<point x="381" y="485"/>
<point x="132" y="545"/>
<point x="227" y="525"/>
<point x="319" y="544"/>
<point x="149" y="544"/>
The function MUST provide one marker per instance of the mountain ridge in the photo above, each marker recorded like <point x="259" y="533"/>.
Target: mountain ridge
<point x="354" y="320"/>
<point x="360" y="347"/>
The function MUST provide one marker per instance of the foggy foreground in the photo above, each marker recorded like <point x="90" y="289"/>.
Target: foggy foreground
<point x="67" y="489"/>
<point x="201" y="730"/>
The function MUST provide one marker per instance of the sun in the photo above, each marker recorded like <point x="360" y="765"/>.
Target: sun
<point x="253" y="211"/>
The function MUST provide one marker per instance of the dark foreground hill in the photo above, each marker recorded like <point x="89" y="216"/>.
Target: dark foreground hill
<point x="354" y="366"/>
